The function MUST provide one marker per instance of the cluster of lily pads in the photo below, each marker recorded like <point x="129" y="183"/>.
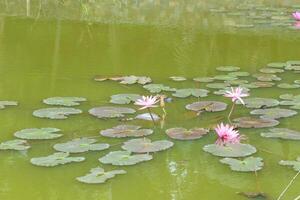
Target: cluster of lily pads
<point x="265" y="113"/>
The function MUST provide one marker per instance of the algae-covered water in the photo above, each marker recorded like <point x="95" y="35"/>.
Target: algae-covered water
<point x="49" y="50"/>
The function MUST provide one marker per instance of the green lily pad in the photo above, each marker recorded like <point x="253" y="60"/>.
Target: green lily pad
<point x="236" y="82"/>
<point x="144" y="145"/>
<point x="257" y="102"/>
<point x="254" y="122"/>
<point x="56" y="113"/>
<point x="276" y="65"/>
<point x="204" y="79"/>
<point x="261" y="84"/>
<point x="274" y="113"/>
<point x="250" y="164"/>
<point x="129" y="80"/>
<point x="217" y="85"/>
<point x="239" y="74"/>
<point x="98" y="175"/>
<point x="38" y="133"/>
<point x="228" y="68"/>
<point x="59" y="158"/>
<point x="124" y="98"/>
<point x="289" y="97"/>
<point x="184" y="134"/>
<point x="147" y="117"/>
<point x="121" y="131"/>
<point x="266" y="77"/>
<point x="225" y="90"/>
<point x="177" y="78"/>
<point x="157" y="88"/>
<point x="230" y="150"/>
<point x="64" y="101"/>
<point x="293" y="65"/>
<point x="297" y="81"/>
<point x="80" y="145"/>
<point x="282" y="133"/>
<point x="183" y="93"/>
<point x="288" y="86"/>
<point x="121" y="158"/>
<point x="209" y="106"/>
<point x="110" y="111"/>
<point x="292" y="163"/>
<point x="270" y="70"/>
<point x="225" y="78"/>
<point x="3" y="104"/>
<point x="18" y="145"/>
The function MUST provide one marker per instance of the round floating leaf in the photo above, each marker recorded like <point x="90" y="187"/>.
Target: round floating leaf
<point x="110" y="112"/>
<point x="289" y="97"/>
<point x="209" y="106"/>
<point x="129" y="80"/>
<point x="230" y="150"/>
<point x="292" y="163"/>
<point x="282" y="133"/>
<point x="288" y="86"/>
<point x="18" y="145"/>
<point x="56" y="113"/>
<point x="274" y="113"/>
<point x="124" y="158"/>
<point x="293" y="65"/>
<point x="277" y="65"/>
<point x="3" y="104"/>
<point x="261" y="84"/>
<point x="38" y="133"/>
<point x="297" y="81"/>
<point x="126" y="131"/>
<point x="224" y="91"/>
<point x="144" y="145"/>
<point x="225" y="78"/>
<point x="266" y="77"/>
<point x="157" y="88"/>
<point x="271" y="70"/>
<point x="228" y="68"/>
<point x="147" y="117"/>
<point x="236" y="82"/>
<point x="124" y="98"/>
<point x="257" y="102"/>
<point x="64" y="101"/>
<point x="59" y="158"/>
<point x="250" y="164"/>
<point x="177" y="78"/>
<point x="204" y="79"/>
<point x="254" y="122"/>
<point x="183" y="93"/>
<point x="80" y="145"/>
<point x="217" y="85"/>
<point x="239" y="73"/>
<point x="98" y="175"/>
<point x="184" y="134"/>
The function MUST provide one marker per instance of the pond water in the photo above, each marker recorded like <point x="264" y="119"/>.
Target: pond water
<point x="47" y="52"/>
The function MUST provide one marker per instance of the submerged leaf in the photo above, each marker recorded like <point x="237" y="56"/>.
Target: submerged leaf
<point x="257" y="102"/>
<point x="124" y="98"/>
<point x="121" y="131"/>
<point x="250" y="164"/>
<point x="98" y="175"/>
<point x="282" y="133"/>
<point x="182" y="93"/>
<point x="18" y="145"/>
<point x="274" y="113"/>
<point x="209" y="106"/>
<point x="144" y="145"/>
<point x="38" y="133"/>
<point x="124" y="158"/>
<point x="64" y="101"/>
<point x="157" y="88"/>
<point x="3" y="104"/>
<point x="254" y="122"/>
<point x="292" y="163"/>
<point x="80" y="145"/>
<point x="56" y="113"/>
<point x="110" y="111"/>
<point x="55" y="159"/>
<point x="184" y="134"/>
<point x="230" y="150"/>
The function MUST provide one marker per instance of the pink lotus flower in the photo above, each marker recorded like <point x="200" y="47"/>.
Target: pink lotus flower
<point x="236" y="94"/>
<point x="147" y="102"/>
<point x="227" y="134"/>
<point x="296" y="15"/>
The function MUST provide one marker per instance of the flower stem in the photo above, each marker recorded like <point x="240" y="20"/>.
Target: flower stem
<point x="151" y="116"/>
<point x="287" y="187"/>
<point x="230" y="113"/>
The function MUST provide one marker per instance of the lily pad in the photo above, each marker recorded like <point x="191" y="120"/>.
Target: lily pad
<point x="56" y="113"/>
<point x="183" y="93"/>
<point x="157" y="88"/>
<point x="236" y="82"/>
<point x="288" y="86"/>
<point x="225" y="90"/>
<point x="3" y="104"/>
<point x="274" y="113"/>
<point x="217" y="85"/>
<point x="293" y="65"/>
<point x="230" y="150"/>
<point x="98" y="175"/>
<point x="282" y="133"/>
<point x="59" y="158"/>
<point x="266" y="77"/>
<point x="121" y="158"/>
<point x="239" y="74"/>
<point x="257" y="102"/>
<point x="204" y="79"/>
<point x="184" y="134"/>
<point x="129" y="80"/>
<point x="261" y="84"/>
<point x="147" y="117"/>
<point x="277" y="65"/>
<point x="209" y="106"/>
<point x="124" y="98"/>
<point x="225" y="78"/>
<point x="292" y="163"/>
<point x="144" y="145"/>
<point x="289" y="97"/>
<point x="18" y="145"/>
<point x="80" y="145"/>
<point x="177" y="78"/>
<point x="254" y="122"/>
<point x="126" y="131"/>
<point x="250" y="164"/>
<point x="270" y="70"/>
<point x="228" y="68"/>
<point x="110" y="111"/>
<point x="38" y="133"/>
<point x="64" y="101"/>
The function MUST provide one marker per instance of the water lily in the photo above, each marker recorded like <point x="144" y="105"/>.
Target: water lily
<point x="227" y="134"/>
<point x="147" y="102"/>
<point x="296" y="15"/>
